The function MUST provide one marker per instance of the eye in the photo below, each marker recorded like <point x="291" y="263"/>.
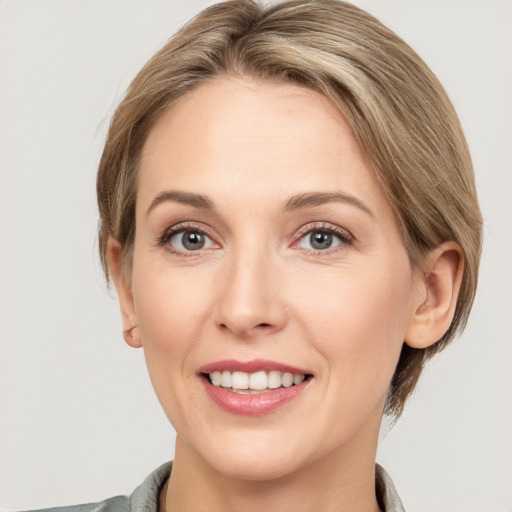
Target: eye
<point x="323" y="239"/>
<point x="189" y="240"/>
<point x="185" y="240"/>
<point x="319" y="241"/>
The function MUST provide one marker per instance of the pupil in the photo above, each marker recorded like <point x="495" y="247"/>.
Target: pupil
<point x="193" y="241"/>
<point x="321" y="240"/>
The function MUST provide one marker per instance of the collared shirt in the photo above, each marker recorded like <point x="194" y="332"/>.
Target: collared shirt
<point x="145" y="497"/>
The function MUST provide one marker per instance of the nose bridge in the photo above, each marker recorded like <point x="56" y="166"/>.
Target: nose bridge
<point x="248" y="302"/>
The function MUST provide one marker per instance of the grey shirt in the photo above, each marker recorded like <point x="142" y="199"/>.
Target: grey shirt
<point x="145" y="497"/>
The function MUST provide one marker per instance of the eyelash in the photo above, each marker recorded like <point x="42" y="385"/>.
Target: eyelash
<point x="182" y="228"/>
<point x="345" y="238"/>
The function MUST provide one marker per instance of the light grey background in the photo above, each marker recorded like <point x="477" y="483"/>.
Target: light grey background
<point x="79" y="421"/>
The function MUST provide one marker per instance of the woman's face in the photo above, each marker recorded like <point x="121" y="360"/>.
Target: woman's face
<point x="264" y="244"/>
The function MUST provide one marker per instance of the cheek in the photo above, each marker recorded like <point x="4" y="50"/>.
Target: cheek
<point x="172" y="311"/>
<point x="160" y="316"/>
<point x="168" y="297"/>
<point x="357" y="320"/>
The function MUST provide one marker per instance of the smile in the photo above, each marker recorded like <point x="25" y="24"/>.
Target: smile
<point x="254" y="383"/>
<point x="253" y="388"/>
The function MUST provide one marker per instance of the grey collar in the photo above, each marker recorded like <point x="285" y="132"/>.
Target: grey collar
<point x="145" y="497"/>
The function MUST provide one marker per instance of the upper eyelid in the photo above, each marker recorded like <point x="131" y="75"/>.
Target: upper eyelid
<point x="211" y="233"/>
<point x="164" y="237"/>
<point x="345" y="236"/>
<point x="324" y="226"/>
<point x="190" y="226"/>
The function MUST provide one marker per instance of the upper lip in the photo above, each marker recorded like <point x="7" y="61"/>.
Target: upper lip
<point x="255" y="365"/>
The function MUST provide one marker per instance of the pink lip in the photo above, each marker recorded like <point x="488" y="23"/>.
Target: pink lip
<point x="247" y="404"/>
<point x="256" y="365"/>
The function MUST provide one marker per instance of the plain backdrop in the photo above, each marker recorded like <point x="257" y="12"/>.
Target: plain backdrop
<point x="79" y="421"/>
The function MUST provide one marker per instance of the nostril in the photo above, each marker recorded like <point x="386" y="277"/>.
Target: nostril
<point x="256" y="329"/>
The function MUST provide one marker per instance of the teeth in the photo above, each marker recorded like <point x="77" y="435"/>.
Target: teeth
<point x="287" y="380"/>
<point x="225" y="379"/>
<point x="216" y="378"/>
<point x="240" y="380"/>
<point x="297" y="379"/>
<point x="274" y="379"/>
<point x="257" y="381"/>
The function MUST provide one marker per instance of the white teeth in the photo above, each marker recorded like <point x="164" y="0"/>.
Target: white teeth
<point x="216" y="378"/>
<point x="297" y="379"/>
<point x="240" y="380"/>
<point x="287" y="380"/>
<point x="225" y="380"/>
<point x="257" y="381"/>
<point x="274" y="379"/>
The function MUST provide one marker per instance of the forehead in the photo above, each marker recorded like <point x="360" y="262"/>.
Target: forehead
<point x="256" y="138"/>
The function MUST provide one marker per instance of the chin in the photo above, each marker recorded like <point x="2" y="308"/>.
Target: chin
<point x="256" y="467"/>
<point x="256" y="456"/>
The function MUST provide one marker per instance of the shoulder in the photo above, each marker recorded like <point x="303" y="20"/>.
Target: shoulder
<point x="387" y="496"/>
<point x="143" y="499"/>
<point x="117" y="504"/>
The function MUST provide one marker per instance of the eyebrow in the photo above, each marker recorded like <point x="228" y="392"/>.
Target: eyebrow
<point x="190" y="198"/>
<point x="318" y="198"/>
<point x="296" y="202"/>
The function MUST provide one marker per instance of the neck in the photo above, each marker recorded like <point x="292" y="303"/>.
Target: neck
<point x="341" y="481"/>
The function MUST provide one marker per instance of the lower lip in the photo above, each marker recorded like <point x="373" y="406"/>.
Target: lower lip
<point x="253" y="405"/>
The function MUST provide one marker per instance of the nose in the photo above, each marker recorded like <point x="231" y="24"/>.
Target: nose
<point x="250" y="303"/>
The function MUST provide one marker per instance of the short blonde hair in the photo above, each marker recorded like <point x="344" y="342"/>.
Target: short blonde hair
<point x="398" y="110"/>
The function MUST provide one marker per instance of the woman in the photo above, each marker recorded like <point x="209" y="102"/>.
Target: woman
<point x="289" y="216"/>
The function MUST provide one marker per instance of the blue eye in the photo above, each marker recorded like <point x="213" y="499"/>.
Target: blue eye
<point x="323" y="239"/>
<point x="187" y="240"/>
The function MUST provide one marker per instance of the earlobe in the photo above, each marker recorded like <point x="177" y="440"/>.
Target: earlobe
<point x="132" y="336"/>
<point x="434" y="309"/>
<point x="131" y="332"/>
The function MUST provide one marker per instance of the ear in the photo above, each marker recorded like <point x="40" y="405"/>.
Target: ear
<point x="437" y="296"/>
<point x="131" y="331"/>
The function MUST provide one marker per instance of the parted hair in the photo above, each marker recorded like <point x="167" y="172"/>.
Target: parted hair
<point x="400" y="115"/>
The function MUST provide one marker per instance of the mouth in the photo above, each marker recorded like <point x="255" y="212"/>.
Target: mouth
<point x="253" y="388"/>
<point x="256" y="382"/>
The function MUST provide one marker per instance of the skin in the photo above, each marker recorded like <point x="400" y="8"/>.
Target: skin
<point x="258" y="289"/>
